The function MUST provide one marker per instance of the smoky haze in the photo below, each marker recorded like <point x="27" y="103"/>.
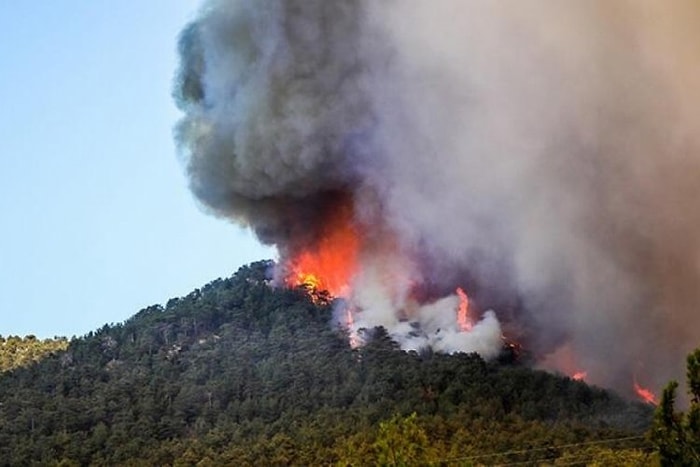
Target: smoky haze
<point x="545" y="153"/>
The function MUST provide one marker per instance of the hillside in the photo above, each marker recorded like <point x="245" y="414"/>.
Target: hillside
<point x="240" y="373"/>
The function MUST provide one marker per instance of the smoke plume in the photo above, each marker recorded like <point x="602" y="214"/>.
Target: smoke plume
<point x="544" y="155"/>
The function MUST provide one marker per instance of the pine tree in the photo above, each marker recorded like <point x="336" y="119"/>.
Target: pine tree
<point x="677" y="435"/>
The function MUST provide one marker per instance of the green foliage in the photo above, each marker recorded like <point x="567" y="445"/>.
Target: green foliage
<point x="242" y="373"/>
<point x="677" y="435"/>
<point x="402" y="442"/>
<point x="17" y="351"/>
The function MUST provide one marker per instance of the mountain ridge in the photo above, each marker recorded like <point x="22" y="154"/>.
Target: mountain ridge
<point x="240" y="371"/>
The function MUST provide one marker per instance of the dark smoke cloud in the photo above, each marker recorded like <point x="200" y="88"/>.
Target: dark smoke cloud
<point x="274" y="102"/>
<point x="544" y="152"/>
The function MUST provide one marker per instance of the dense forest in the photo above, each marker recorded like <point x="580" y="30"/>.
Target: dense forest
<point x="243" y="373"/>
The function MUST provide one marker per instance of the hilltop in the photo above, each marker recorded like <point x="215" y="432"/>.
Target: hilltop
<point x="240" y="372"/>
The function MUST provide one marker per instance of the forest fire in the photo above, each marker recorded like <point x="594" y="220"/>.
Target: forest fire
<point x="465" y="324"/>
<point x="382" y="284"/>
<point x="389" y="165"/>
<point x="330" y="264"/>
<point x="645" y="394"/>
<point x="335" y="262"/>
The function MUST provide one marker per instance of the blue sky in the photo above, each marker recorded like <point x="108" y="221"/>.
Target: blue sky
<point x="96" y="219"/>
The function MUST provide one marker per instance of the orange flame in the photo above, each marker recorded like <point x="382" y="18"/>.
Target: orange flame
<point x="465" y="324"/>
<point x="331" y="264"/>
<point x="579" y="376"/>
<point x="645" y="394"/>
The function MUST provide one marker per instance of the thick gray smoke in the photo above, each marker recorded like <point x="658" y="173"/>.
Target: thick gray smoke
<point x="544" y="154"/>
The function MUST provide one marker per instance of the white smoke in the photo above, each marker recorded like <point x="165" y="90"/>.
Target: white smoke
<point x="382" y="297"/>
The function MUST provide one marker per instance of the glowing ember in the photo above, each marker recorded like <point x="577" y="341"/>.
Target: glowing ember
<point x="331" y="264"/>
<point x="579" y="376"/>
<point x="645" y="394"/>
<point x="463" y="312"/>
<point x="309" y="280"/>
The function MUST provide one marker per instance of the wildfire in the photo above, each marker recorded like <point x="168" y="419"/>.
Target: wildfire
<point x="465" y="324"/>
<point x="330" y="264"/>
<point x="645" y="394"/>
<point x="579" y="376"/>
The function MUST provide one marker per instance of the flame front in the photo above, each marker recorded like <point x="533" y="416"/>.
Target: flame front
<point x="645" y="394"/>
<point x="463" y="321"/>
<point x="330" y="264"/>
<point x="579" y="376"/>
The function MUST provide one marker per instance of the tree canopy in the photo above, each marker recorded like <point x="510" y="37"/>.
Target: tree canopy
<point x="240" y="372"/>
<point x="18" y="351"/>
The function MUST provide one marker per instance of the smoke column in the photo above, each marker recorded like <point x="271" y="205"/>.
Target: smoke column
<point x="544" y="154"/>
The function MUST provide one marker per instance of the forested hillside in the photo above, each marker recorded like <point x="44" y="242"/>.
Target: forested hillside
<point x="241" y="373"/>
<point x="18" y="351"/>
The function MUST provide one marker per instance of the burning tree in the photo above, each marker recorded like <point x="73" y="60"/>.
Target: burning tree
<point x="677" y="435"/>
